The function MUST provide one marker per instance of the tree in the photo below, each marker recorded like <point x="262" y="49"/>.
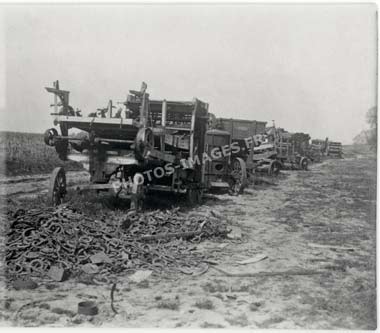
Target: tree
<point x="372" y="132"/>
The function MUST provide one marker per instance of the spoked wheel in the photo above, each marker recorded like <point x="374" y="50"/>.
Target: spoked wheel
<point x="57" y="187"/>
<point x="194" y="196"/>
<point x="304" y="163"/>
<point x="239" y="176"/>
<point x="274" y="168"/>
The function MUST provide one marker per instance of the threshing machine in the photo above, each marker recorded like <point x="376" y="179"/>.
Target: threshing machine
<point x="145" y="146"/>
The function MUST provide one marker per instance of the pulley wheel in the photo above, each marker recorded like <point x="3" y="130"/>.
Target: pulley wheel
<point x="49" y="136"/>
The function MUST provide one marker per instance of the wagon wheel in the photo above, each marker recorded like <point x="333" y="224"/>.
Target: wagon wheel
<point x="194" y="196"/>
<point x="57" y="187"/>
<point x="239" y="175"/>
<point x="274" y="168"/>
<point x="304" y="163"/>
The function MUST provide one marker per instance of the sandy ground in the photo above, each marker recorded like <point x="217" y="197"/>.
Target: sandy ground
<point x="333" y="204"/>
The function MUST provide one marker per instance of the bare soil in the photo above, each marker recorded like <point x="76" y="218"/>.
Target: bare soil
<point x="321" y="219"/>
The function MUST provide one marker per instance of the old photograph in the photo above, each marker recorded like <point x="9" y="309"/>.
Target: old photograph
<point x="188" y="165"/>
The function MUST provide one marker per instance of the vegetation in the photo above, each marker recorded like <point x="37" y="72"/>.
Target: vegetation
<point x="205" y="304"/>
<point x="372" y="133"/>
<point x="369" y="136"/>
<point x="26" y="153"/>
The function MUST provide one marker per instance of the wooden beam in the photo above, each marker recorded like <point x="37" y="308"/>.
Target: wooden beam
<point x="192" y="127"/>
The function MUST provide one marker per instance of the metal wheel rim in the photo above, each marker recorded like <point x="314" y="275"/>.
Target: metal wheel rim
<point x="57" y="186"/>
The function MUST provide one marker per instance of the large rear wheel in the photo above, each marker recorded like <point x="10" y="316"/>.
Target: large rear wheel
<point x="57" y="187"/>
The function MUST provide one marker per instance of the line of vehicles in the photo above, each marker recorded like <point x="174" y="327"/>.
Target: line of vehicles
<point x="148" y="145"/>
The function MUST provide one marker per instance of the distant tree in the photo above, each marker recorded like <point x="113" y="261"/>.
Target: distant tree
<point x="372" y="132"/>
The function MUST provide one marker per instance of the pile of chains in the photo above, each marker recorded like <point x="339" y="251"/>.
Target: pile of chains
<point x="38" y="239"/>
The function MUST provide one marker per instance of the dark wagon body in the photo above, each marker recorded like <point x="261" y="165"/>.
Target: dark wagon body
<point x="247" y="134"/>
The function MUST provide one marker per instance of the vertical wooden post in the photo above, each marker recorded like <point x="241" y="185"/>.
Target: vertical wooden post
<point x="56" y="86"/>
<point x="110" y="107"/>
<point x="144" y="109"/>
<point x="192" y="129"/>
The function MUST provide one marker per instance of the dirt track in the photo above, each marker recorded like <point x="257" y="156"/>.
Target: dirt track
<point x="29" y="186"/>
<point x="333" y="204"/>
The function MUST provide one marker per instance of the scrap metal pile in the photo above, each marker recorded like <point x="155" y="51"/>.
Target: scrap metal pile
<point x="59" y="241"/>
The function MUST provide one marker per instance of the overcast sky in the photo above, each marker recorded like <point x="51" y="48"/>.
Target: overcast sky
<point x="311" y="68"/>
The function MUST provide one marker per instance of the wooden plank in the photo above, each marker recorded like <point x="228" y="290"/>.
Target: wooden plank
<point x="90" y="120"/>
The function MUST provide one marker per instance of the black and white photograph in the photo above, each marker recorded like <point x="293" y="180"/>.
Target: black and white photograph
<point x="188" y="165"/>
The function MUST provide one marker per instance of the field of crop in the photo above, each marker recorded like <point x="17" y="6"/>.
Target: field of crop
<point x="26" y="153"/>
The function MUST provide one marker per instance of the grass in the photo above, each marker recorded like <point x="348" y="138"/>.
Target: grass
<point x="204" y="304"/>
<point x="26" y="154"/>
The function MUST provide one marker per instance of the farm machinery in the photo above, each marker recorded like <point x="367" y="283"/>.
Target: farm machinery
<point x="334" y="149"/>
<point x="324" y="148"/>
<point x="291" y="148"/>
<point x="145" y="146"/>
<point x="317" y="150"/>
<point x="252" y="153"/>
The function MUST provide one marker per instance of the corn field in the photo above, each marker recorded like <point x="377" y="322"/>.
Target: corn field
<point x="26" y="153"/>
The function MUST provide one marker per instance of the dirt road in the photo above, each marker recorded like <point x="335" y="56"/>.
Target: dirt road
<point x="319" y="219"/>
<point x="30" y="186"/>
